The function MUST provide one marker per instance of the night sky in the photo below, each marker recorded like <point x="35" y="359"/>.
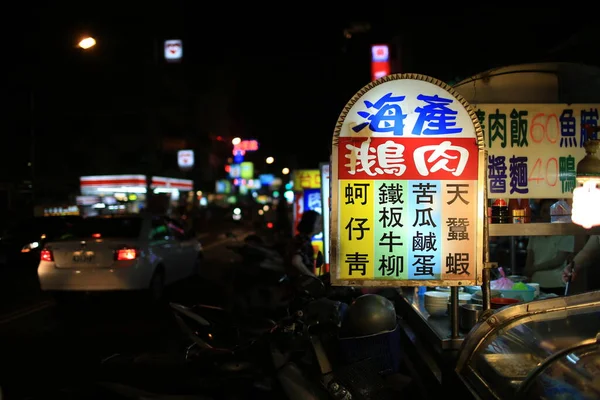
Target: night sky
<point x="280" y="74"/>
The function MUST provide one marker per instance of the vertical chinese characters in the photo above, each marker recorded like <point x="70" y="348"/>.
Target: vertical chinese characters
<point x="390" y="246"/>
<point x="357" y="235"/>
<point x="425" y="229"/>
<point x="459" y="229"/>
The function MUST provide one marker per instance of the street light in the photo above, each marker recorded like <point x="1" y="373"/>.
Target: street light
<point x="270" y="160"/>
<point x="87" y="43"/>
<point x="285" y="171"/>
<point x="235" y="141"/>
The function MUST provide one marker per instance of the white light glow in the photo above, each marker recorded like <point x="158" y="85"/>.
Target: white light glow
<point x="270" y="160"/>
<point x="289" y="196"/>
<point x="87" y="43"/>
<point x="586" y="204"/>
<point x="236" y="141"/>
<point x="285" y="171"/>
<point x="122" y="189"/>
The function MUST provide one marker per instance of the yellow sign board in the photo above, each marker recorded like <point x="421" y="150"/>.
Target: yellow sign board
<point x="307" y="179"/>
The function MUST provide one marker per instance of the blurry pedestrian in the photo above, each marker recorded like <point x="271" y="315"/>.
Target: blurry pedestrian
<point x="301" y="254"/>
<point x="283" y="223"/>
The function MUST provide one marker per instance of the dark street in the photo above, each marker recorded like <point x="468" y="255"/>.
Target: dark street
<point x="53" y="347"/>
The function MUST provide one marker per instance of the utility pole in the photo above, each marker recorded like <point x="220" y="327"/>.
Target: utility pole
<point x="32" y="150"/>
<point x="153" y="87"/>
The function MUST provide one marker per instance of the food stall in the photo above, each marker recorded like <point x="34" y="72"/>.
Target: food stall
<point x="443" y="346"/>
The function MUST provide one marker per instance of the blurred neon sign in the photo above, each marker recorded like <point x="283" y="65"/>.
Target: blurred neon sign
<point x="244" y="146"/>
<point x="380" y="61"/>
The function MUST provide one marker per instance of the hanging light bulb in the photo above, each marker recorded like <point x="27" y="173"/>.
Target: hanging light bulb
<point x="586" y="196"/>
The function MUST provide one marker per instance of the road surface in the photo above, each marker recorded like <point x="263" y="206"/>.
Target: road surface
<point x="39" y="342"/>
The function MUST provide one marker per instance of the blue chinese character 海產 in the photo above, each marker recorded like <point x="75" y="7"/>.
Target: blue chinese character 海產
<point x="567" y="129"/>
<point x="440" y="119"/>
<point x="388" y="118"/>
<point x="589" y="119"/>
<point x="518" y="175"/>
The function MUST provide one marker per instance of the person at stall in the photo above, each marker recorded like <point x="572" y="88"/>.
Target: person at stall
<point x="301" y="254"/>
<point x="584" y="266"/>
<point x="283" y="225"/>
<point x="547" y="256"/>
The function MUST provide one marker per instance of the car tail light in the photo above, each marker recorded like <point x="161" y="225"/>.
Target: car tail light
<point x="126" y="254"/>
<point x="46" y="255"/>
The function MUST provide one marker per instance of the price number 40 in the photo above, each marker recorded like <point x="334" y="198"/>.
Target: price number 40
<point x="547" y="171"/>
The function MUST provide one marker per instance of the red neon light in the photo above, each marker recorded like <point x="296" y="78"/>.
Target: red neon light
<point x="246" y="145"/>
<point x="379" y="69"/>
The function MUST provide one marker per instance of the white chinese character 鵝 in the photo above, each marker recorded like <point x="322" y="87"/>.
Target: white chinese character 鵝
<point x="390" y="158"/>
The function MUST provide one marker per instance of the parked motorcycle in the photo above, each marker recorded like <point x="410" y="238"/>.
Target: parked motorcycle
<point x="306" y="349"/>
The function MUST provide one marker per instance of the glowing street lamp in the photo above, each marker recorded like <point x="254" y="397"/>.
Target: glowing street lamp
<point x="285" y="171"/>
<point x="270" y="160"/>
<point x="235" y="141"/>
<point x="87" y="43"/>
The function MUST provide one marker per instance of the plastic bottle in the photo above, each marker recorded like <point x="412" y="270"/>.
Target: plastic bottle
<point x="500" y="212"/>
<point x="560" y="212"/>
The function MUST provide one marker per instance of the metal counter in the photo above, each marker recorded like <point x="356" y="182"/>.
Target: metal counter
<point x="437" y="330"/>
<point x="430" y="353"/>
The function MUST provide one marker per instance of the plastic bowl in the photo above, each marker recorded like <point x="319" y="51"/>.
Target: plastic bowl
<point x="521" y="295"/>
<point x="499" y="302"/>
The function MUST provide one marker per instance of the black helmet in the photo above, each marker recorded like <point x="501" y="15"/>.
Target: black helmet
<point x="369" y="314"/>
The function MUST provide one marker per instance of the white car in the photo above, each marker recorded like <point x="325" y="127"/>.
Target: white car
<point x="117" y="253"/>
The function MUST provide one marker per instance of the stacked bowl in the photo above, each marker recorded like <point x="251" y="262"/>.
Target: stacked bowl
<point x="463" y="298"/>
<point x="436" y="303"/>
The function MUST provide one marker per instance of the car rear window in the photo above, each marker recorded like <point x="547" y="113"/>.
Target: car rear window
<point x="121" y="227"/>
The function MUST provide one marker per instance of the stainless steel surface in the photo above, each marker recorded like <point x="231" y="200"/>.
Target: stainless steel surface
<point x="436" y="330"/>
<point x="469" y="315"/>
<point x="540" y="229"/>
<point x="501" y="355"/>
<point x="511" y="366"/>
<point x="454" y="312"/>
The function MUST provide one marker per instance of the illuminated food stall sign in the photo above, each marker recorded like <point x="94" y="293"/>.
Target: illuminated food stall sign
<point x="407" y="202"/>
